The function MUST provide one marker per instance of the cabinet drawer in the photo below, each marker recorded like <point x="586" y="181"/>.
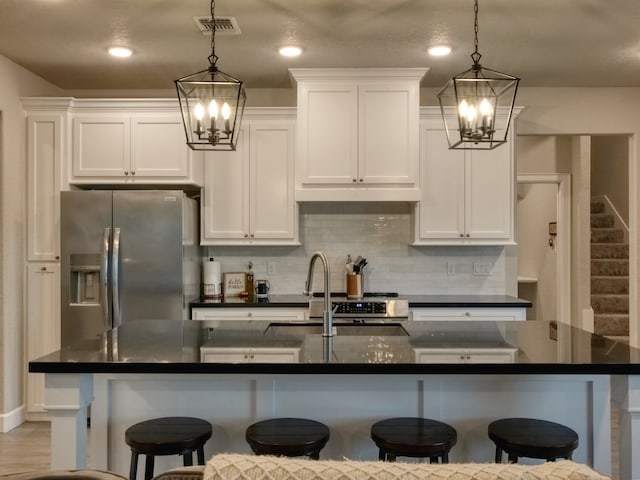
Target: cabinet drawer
<point x="249" y="355"/>
<point x="266" y="314"/>
<point x="465" y="355"/>
<point x="476" y="313"/>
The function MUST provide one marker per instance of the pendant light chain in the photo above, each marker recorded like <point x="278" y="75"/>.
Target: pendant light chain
<point x="475" y="56"/>
<point x="213" y="58"/>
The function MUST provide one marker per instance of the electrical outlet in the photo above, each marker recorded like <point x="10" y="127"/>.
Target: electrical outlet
<point x="451" y="268"/>
<point x="481" y="268"/>
<point x="271" y="268"/>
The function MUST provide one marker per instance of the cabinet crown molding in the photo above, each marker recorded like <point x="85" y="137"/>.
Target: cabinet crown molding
<point x="364" y="74"/>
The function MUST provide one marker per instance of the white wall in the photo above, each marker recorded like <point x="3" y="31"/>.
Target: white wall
<point x="15" y="82"/>
<point x="610" y="171"/>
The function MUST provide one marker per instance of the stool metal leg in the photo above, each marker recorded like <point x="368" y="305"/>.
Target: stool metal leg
<point x="148" y="467"/>
<point x="133" y="468"/>
<point x="200" y="455"/>
<point x="315" y="455"/>
<point x="445" y="457"/>
<point x="513" y="458"/>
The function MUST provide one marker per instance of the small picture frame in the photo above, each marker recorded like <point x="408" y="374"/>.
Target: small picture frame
<point x="233" y="283"/>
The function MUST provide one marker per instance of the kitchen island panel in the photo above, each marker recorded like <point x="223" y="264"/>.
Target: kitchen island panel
<point x="348" y="405"/>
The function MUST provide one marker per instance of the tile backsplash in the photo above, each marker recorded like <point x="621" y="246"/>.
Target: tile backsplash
<point x="380" y="232"/>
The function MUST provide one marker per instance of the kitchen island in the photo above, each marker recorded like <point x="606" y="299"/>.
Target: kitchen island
<point x="148" y="369"/>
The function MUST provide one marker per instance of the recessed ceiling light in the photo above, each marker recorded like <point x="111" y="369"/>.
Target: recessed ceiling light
<point x="290" y="51"/>
<point x="120" y="52"/>
<point x="440" y="51"/>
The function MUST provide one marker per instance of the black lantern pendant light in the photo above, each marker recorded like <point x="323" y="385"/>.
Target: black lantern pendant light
<point x="477" y="104"/>
<point x="212" y="104"/>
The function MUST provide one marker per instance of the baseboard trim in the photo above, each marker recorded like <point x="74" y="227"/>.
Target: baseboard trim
<point x="12" y="419"/>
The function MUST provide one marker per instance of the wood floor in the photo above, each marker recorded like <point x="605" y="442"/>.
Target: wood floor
<point x="25" y="448"/>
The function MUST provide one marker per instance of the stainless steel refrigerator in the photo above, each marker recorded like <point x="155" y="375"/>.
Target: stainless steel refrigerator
<point x="126" y="255"/>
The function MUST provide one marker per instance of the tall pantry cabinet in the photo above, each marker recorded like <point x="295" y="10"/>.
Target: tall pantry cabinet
<point x="46" y="129"/>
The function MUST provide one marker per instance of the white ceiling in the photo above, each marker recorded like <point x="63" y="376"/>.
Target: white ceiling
<point x="544" y="42"/>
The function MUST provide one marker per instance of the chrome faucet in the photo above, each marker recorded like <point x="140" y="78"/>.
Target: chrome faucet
<point x="327" y="321"/>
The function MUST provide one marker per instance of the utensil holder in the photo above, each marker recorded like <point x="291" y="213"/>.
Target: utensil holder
<point x="355" y="287"/>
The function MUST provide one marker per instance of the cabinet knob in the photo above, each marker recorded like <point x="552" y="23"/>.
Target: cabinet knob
<point x="133" y="172"/>
<point x="246" y="235"/>
<point x="249" y="314"/>
<point x="461" y="357"/>
<point x="57" y="257"/>
<point x="468" y="357"/>
<point x="468" y="235"/>
<point x="461" y="235"/>
<point x="126" y="172"/>
<point x="362" y="180"/>
<point x="467" y="314"/>
<point x="246" y="356"/>
<point x="252" y="235"/>
<point x="354" y="180"/>
<point x="43" y="269"/>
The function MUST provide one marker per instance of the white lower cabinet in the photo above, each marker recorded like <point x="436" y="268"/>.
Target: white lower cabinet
<point x="43" y="324"/>
<point x="259" y="314"/>
<point x="476" y="313"/>
<point x="465" y="355"/>
<point x="249" y="355"/>
<point x="249" y="193"/>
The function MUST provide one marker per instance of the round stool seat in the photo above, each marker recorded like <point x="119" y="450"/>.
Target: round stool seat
<point x="532" y="438"/>
<point x="167" y="436"/>
<point x="288" y="437"/>
<point x="413" y="437"/>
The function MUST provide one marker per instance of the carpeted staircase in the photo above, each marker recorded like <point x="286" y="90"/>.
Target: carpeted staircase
<point x="609" y="274"/>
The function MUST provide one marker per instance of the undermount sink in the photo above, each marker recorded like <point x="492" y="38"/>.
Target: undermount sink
<point x="341" y="329"/>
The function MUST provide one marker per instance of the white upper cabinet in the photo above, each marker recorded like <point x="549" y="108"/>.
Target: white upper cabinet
<point x="45" y="148"/>
<point x="358" y="134"/>
<point x="131" y="142"/>
<point x="248" y="196"/>
<point x="467" y="195"/>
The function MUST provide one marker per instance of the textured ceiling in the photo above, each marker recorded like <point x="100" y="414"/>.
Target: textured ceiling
<point x="544" y="42"/>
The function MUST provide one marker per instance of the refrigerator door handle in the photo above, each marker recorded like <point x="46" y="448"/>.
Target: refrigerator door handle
<point x="106" y="301"/>
<point x="115" y="287"/>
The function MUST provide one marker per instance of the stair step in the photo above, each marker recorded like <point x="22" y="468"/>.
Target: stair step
<point x="602" y="220"/>
<point x="609" y="250"/>
<point x="597" y="206"/>
<point x="614" y="285"/>
<point x="611" y="324"/>
<point x="610" y="303"/>
<point x="609" y="267"/>
<point x="607" y="235"/>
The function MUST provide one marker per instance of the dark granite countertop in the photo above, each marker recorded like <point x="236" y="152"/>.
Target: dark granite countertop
<point x="415" y="301"/>
<point x="174" y="347"/>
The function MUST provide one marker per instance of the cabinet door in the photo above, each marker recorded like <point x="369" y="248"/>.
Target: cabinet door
<point x="225" y="208"/>
<point x="101" y="146"/>
<point x="328" y="123"/>
<point x="43" y="323"/>
<point x="44" y="153"/>
<point x="489" y="200"/>
<point x="442" y="206"/>
<point x="158" y="147"/>
<point x="388" y="133"/>
<point x="272" y="205"/>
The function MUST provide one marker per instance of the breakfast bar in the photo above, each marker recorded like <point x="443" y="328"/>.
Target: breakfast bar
<point x="464" y="373"/>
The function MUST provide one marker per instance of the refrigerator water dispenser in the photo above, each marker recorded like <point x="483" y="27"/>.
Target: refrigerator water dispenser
<point x="84" y="279"/>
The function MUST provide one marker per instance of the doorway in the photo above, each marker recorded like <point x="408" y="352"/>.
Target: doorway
<point x="543" y="233"/>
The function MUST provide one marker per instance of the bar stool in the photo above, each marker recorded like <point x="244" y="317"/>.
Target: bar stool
<point x="413" y="437"/>
<point x="287" y="437"/>
<point x="166" y="436"/>
<point x="532" y="438"/>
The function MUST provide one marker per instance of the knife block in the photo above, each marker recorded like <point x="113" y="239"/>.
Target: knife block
<point x="355" y="284"/>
